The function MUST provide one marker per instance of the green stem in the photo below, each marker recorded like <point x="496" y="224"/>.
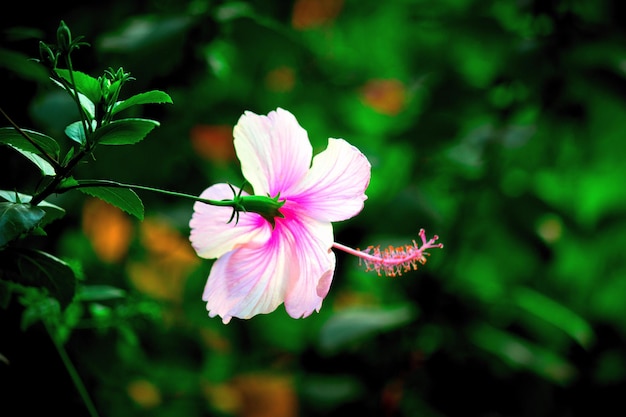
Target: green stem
<point x="83" y="117"/>
<point x="110" y="102"/>
<point x="71" y="369"/>
<point x="115" y="184"/>
<point x="64" y="173"/>
<point x="268" y="207"/>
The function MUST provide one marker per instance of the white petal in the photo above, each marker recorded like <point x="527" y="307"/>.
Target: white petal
<point x="249" y="280"/>
<point x="313" y="264"/>
<point x="294" y="266"/>
<point x="211" y="234"/>
<point x="334" y="188"/>
<point x="274" y="151"/>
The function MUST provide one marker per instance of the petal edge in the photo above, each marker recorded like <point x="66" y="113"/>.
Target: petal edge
<point x="334" y="188"/>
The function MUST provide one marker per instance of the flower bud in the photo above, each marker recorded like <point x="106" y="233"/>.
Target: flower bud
<point x="46" y="55"/>
<point x="64" y="37"/>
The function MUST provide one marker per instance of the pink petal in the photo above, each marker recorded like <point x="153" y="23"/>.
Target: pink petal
<point x="334" y="188"/>
<point x="211" y="236"/>
<point x="274" y="151"/>
<point x="248" y="281"/>
<point x="294" y="266"/>
<point x="313" y="263"/>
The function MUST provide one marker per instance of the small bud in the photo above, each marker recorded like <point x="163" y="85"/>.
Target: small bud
<point x="105" y="86"/>
<point x="64" y="37"/>
<point x="118" y="75"/>
<point x="46" y="55"/>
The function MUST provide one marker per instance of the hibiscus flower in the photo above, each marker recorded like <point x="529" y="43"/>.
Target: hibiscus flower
<point x="266" y="260"/>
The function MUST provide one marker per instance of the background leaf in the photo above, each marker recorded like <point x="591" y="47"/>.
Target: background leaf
<point x="99" y="292"/>
<point x="22" y="65"/>
<point x="34" y="268"/>
<point x="556" y="314"/>
<point x="521" y="353"/>
<point x="356" y="324"/>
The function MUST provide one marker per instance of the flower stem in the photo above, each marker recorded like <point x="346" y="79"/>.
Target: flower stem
<point x="115" y="184"/>
<point x="73" y="90"/>
<point x="63" y="173"/>
<point x="71" y="369"/>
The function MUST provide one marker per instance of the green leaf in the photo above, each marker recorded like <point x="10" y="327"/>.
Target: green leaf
<point x="17" y="219"/>
<point x="6" y="293"/>
<point x="87" y="105"/>
<point x="66" y="183"/>
<point x="33" y="268"/>
<point x="556" y="314"/>
<point x="68" y="156"/>
<point x="329" y="391"/>
<point x="233" y="10"/>
<point x="124" y="131"/>
<point x="43" y="165"/>
<point x="52" y="211"/>
<point x="123" y="198"/>
<point x="11" y="136"/>
<point x="40" y="307"/>
<point x="22" y="65"/>
<point x="85" y="102"/>
<point x="149" y="97"/>
<point x="355" y="324"/>
<point x="76" y="132"/>
<point x="522" y="354"/>
<point x="85" y="84"/>
<point x="99" y="293"/>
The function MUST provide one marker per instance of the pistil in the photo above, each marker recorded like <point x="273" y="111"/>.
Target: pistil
<point x="394" y="260"/>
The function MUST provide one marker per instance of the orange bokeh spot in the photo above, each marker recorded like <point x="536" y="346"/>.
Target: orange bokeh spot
<point x="213" y="142"/>
<point x="214" y="340"/>
<point x="281" y="79"/>
<point x="165" y="242"/>
<point x="255" y="395"/>
<point x="266" y="396"/>
<point x="223" y="397"/>
<point x="144" y="393"/>
<point x="108" y="229"/>
<point x="385" y="96"/>
<point x="169" y="261"/>
<point x="309" y="14"/>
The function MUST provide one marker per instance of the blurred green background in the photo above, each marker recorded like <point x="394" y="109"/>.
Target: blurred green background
<point x="497" y="125"/>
